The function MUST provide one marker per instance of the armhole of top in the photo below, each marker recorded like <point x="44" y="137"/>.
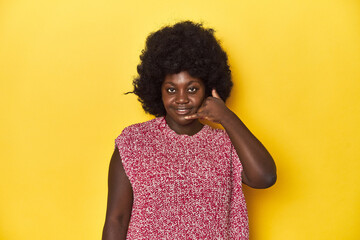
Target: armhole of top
<point x="116" y="147"/>
<point x="237" y="168"/>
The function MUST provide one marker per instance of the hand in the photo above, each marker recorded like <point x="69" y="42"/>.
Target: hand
<point x="212" y="109"/>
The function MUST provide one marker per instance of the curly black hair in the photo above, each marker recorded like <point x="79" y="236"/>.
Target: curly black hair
<point x="185" y="46"/>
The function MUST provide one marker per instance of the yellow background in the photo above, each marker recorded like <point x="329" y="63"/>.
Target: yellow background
<point x="64" y="66"/>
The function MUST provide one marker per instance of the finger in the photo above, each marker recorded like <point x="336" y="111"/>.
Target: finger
<point x="195" y="116"/>
<point x="215" y="94"/>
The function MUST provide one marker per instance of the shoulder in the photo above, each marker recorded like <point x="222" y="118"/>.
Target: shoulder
<point x="217" y="135"/>
<point x="139" y="130"/>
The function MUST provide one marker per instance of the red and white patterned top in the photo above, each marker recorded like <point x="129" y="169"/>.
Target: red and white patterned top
<point x="185" y="187"/>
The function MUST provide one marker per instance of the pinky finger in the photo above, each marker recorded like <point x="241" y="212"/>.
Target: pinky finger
<point x="194" y="116"/>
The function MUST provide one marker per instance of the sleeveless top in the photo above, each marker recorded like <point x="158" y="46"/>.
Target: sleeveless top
<point x="184" y="187"/>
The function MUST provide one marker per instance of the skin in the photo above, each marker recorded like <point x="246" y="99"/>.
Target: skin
<point x="259" y="170"/>
<point x="182" y="95"/>
<point x="120" y="200"/>
<point x="184" y="100"/>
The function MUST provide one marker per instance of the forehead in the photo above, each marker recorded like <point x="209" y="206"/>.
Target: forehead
<point x="181" y="78"/>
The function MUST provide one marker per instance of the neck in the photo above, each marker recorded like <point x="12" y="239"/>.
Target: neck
<point x="188" y="129"/>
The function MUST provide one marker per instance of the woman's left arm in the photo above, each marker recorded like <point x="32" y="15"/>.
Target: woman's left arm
<point x="259" y="170"/>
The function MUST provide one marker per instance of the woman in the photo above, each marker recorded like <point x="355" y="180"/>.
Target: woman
<point x="173" y="177"/>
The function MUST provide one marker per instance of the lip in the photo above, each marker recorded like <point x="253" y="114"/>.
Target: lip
<point x="182" y="111"/>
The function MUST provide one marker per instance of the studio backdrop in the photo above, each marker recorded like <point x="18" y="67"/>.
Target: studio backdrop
<point x="64" y="66"/>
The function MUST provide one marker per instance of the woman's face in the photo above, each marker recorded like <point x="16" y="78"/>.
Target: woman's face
<point x="182" y="95"/>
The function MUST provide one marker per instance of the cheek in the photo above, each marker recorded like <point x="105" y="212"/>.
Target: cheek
<point x="166" y="100"/>
<point x="203" y="96"/>
<point x="199" y="99"/>
<point x="163" y="97"/>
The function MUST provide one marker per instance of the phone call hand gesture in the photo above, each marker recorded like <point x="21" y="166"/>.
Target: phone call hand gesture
<point x="212" y="109"/>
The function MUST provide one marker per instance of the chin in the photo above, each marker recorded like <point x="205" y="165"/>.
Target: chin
<point x="183" y="121"/>
<point x="180" y="120"/>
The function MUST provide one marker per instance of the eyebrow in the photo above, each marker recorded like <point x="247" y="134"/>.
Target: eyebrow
<point x="191" y="82"/>
<point x="168" y="83"/>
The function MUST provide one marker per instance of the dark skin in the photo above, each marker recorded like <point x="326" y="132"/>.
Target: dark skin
<point x="120" y="200"/>
<point x="185" y="103"/>
<point x="259" y="170"/>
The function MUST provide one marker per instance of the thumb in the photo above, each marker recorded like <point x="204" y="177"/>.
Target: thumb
<point x="215" y="94"/>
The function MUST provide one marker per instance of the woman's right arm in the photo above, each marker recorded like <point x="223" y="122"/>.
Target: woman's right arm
<point x="120" y="200"/>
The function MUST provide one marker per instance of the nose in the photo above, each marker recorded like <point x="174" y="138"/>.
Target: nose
<point x="182" y="97"/>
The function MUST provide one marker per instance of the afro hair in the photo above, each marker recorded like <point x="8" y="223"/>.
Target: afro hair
<point x="185" y="46"/>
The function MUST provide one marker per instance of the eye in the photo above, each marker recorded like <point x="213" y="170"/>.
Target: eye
<point x="192" y="89"/>
<point x="170" y="90"/>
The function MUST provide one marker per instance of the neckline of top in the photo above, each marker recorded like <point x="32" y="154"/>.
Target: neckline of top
<point x="163" y="125"/>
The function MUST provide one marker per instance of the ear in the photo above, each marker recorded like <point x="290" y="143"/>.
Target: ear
<point x="215" y="94"/>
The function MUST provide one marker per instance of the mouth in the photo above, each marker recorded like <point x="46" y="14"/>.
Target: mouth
<point x="182" y="111"/>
